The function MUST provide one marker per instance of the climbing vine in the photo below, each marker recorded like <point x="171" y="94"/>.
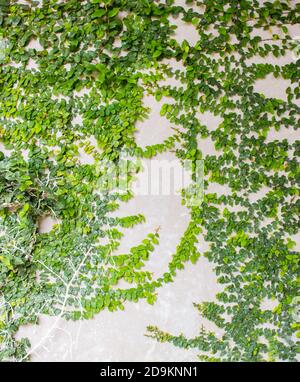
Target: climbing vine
<point x="73" y="77"/>
<point x="250" y="225"/>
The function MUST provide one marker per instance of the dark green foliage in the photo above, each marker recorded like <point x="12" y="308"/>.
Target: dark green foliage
<point x="250" y="241"/>
<point x="97" y="59"/>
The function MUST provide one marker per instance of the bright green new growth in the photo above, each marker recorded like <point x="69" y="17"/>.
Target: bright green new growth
<point x="97" y="59"/>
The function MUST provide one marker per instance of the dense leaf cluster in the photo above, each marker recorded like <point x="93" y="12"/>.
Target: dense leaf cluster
<point x="81" y="87"/>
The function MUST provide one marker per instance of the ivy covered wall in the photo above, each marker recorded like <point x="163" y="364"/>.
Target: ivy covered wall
<point x="94" y="61"/>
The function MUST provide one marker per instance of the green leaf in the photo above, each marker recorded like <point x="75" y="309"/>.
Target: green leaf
<point x="98" y="13"/>
<point x="112" y="13"/>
